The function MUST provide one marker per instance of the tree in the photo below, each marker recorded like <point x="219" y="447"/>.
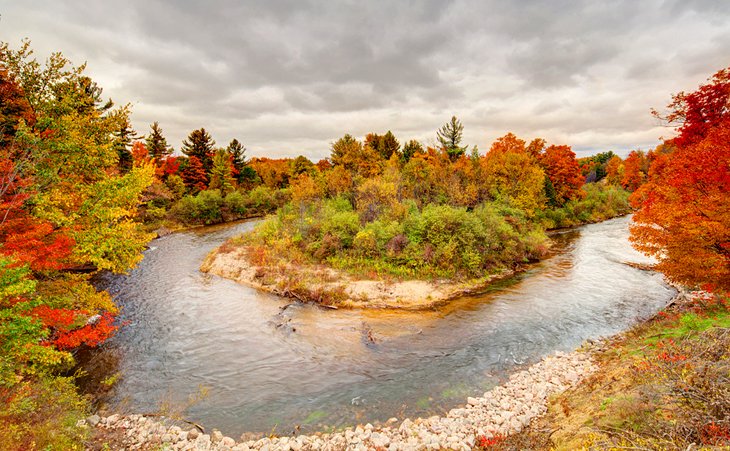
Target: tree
<point x="614" y="170"/>
<point x="356" y="158"/>
<point x="64" y="206"/>
<point x="14" y="109"/>
<point x="156" y="142"/>
<point x="221" y="176"/>
<point x="563" y="171"/>
<point x="696" y="113"/>
<point x="634" y="176"/>
<point x="124" y="136"/>
<point x="194" y="175"/>
<point x="450" y="138"/>
<point x="683" y="212"/>
<point x="200" y="145"/>
<point x="301" y="165"/>
<point x="238" y="156"/>
<point x="388" y="146"/>
<point x="411" y="148"/>
<point x="513" y="176"/>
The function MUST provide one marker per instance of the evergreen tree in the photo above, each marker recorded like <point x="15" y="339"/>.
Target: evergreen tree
<point x="411" y="148"/>
<point x="238" y="156"/>
<point x="450" y="137"/>
<point x="156" y="142"/>
<point x="200" y="145"/>
<point x="221" y="175"/>
<point x="123" y="138"/>
<point x="388" y="145"/>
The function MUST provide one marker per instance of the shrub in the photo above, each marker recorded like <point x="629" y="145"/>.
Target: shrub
<point x="235" y="202"/>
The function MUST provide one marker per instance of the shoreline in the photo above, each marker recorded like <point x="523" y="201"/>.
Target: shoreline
<point x="502" y="411"/>
<point x="333" y="288"/>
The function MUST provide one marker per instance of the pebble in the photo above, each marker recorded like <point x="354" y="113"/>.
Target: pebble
<point x="504" y="410"/>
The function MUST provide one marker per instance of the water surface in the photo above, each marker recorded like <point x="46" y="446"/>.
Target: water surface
<point x="265" y="366"/>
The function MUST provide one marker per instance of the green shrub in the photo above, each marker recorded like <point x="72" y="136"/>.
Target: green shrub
<point x="235" y="203"/>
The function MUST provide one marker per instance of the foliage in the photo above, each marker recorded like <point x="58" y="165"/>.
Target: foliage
<point x="194" y="175"/>
<point x="513" y="176"/>
<point x="156" y="142"/>
<point x="200" y="144"/>
<point x="563" y="171"/>
<point x="696" y="113"/>
<point x="211" y="207"/>
<point x="221" y="174"/>
<point x="601" y="202"/>
<point x="69" y="200"/>
<point x="449" y="136"/>
<point x="683" y="212"/>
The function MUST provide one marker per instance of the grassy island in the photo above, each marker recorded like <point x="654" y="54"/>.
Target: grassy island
<point x="416" y="233"/>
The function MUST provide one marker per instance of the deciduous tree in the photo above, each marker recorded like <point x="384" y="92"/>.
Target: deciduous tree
<point x="561" y="167"/>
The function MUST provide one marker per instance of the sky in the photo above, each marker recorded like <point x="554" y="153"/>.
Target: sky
<point x="288" y="78"/>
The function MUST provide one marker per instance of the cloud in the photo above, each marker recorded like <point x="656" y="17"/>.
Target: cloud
<point x="290" y="77"/>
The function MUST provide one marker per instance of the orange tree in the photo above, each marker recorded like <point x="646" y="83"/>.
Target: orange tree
<point x="683" y="211"/>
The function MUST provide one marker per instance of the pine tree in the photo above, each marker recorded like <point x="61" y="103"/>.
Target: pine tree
<point x="221" y="175"/>
<point x="156" y="142"/>
<point x="200" y="145"/>
<point x="450" y="137"/>
<point x="238" y="156"/>
<point x="411" y="148"/>
<point x="388" y="145"/>
<point x="123" y="138"/>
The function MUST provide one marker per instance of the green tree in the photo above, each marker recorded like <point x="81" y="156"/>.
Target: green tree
<point x="389" y="146"/>
<point x="199" y="144"/>
<point x="238" y="155"/>
<point x="450" y="138"/>
<point x="156" y="142"/>
<point x="123" y="137"/>
<point x="221" y="175"/>
<point x="411" y="148"/>
<point x="301" y="165"/>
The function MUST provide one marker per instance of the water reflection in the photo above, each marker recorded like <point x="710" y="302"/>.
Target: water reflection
<point x="267" y="364"/>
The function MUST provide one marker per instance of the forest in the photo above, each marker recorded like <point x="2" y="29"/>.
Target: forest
<point x="81" y="192"/>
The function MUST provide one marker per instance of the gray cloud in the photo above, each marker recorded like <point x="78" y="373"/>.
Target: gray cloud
<point x="290" y="77"/>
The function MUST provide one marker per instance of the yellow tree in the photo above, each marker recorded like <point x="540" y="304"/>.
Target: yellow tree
<point x="513" y="176"/>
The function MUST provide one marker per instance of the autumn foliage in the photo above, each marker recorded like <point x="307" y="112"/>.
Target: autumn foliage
<point x="683" y="211"/>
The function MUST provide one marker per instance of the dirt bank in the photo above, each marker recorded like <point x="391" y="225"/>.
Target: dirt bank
<point x="332" y="288"/>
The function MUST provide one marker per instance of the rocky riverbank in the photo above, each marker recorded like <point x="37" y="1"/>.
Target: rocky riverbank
<point x="502" y="411"/>
<point x="333" y="288"/>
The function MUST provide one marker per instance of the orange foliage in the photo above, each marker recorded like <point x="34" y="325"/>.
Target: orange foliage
<point x="140" y="156"/>
<point x="633" y="176"/>
<point x="564" y="172"/>
<point x="273" y="172"/>
<point x="683" y="215"/>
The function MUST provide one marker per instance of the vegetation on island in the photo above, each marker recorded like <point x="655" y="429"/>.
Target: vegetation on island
<point x="431" y="213"/>
<point x="80" y="191"/>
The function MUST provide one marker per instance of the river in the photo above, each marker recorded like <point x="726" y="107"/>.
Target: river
<point x="268" y="368"/>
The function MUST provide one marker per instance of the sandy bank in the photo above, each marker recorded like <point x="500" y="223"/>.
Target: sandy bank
<point x="329" y="287"/>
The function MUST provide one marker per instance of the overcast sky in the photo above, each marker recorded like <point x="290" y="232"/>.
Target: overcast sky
<point x="289" y="77"/>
